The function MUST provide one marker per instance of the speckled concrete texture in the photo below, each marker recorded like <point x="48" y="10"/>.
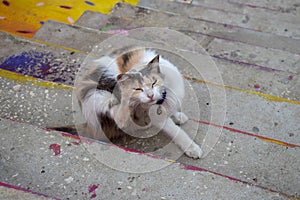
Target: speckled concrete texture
<point x="255" y="48"/>
<point x="27" y="160"/>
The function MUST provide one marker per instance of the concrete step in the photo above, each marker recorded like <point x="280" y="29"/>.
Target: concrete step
<point x="34" y="104"/>
<point x="42" y="60"/>
<point x="259" y="23"/>
<point x="70" y="168"/>
<point x="230" y="50"/>
<point x="33" y="97"/>
<point x="232" y="140"/>
<point x="196" y="27"/>
<point x="274" y="82"/>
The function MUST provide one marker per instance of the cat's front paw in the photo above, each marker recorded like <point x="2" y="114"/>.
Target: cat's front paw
<point x="194" y="151"/>
<point x="121" y="122"/>
<point x="180" y="118"/>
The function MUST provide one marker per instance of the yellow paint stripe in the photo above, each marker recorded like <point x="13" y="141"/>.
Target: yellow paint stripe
<point x="58" y="46"/>
<point x="279" y="142"/>
<point x="31" y="80"/>
<point x="265" y="96"/>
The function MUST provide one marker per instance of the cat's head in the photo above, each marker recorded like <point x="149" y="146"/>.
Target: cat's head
<point x="145" y="85"/>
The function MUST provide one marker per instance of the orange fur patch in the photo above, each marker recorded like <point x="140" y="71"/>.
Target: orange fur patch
<point x="128" y="60"/>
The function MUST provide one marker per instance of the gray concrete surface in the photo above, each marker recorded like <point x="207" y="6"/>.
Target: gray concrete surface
<point x="272" y="76"/>
<point x="219" y="161"/>
<point x="178" y="22"/>
<point x="222" y="12"/>
<point x="74" y="173"/>
<point x="256" y="157"/>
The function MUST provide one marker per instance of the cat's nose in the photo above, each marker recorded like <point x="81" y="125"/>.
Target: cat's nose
<point x="150" y="96"/>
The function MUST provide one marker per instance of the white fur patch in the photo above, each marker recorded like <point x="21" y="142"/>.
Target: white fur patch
<point x="109" y="65"/>
<point x="96" y="102"/>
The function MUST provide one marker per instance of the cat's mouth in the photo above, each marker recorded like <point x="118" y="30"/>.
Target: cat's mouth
<point x="151" y="101"/>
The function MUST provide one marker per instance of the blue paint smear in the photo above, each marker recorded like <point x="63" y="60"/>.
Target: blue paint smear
<point x="40" y="65"/>
<point x="89" y="3"/>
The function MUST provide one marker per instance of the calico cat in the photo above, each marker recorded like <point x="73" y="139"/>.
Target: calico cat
<point x="117" y="93"/>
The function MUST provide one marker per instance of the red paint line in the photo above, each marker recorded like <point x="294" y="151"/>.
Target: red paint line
<point x="249" y="134"/>
<point x="25" y="190"/>
<point x="194" y="168"/>
<point x="135" y="151"/>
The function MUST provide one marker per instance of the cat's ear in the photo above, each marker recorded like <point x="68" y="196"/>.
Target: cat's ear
<point x="122" y="77"/>
<point x="153" y="65"/>
<point x="128" y="76"/>
<point x="154" y="60"/>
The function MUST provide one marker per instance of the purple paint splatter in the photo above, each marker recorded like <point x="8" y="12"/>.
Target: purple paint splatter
<point x="92" y="188"/>
<point x="40" y="65"/>
<point x="290" y="77"/>
<point x="66" y="7"/>
<point x="5" y="2"/>
<point x="256" y="86"/>
<point x="55" y="148"/>
<point x="23" y="31"/>
<point x="89" y="3"/>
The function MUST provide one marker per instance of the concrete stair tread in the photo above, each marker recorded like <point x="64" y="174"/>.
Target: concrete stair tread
<point x="232" y="14"/>
<point x="195" y="26"/>
<point x="256" y="55"/>
<point x="74" y="172"/>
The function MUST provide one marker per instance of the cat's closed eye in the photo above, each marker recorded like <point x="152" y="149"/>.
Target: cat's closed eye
<point x="154" y="83"/>
<point x="139" y="89"/>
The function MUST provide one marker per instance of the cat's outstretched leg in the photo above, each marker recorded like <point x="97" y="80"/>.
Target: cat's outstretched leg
<point x="180" y="118"/>
<point x="182" y="139"/>
<point x="121" y="113"/>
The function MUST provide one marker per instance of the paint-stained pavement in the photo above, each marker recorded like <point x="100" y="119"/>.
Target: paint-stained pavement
<point x="256" y="49"/>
